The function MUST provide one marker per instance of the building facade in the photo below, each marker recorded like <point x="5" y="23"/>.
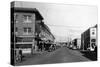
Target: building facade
<point x="28" y="28"/>
<point x="23" y="27"/>
<point x="89" y="39"/>
<point x="43" y="32"/>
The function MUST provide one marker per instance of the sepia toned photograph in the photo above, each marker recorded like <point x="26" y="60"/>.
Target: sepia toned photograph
<point x="49" y="33"/>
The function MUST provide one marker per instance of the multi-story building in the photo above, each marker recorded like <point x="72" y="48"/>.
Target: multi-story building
<point x="27" y="29"/>
<point x="23" y="26"/>
<point x="89" y="39"/>
<point x="43" y="32"/>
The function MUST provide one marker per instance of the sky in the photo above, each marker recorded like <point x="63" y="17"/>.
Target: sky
<point x="65" y="21"/>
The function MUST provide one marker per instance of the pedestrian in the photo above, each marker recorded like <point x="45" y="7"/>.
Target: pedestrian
<point x="48" y="46"/>
<point x="40" y="45"/>
<point x="20" y="53"/>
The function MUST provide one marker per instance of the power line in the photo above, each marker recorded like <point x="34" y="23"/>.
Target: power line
<point x="65" y="26"/>
<point x="70" y="28"/>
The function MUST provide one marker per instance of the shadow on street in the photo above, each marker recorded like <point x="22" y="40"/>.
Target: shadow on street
<point x="90" y="55"/>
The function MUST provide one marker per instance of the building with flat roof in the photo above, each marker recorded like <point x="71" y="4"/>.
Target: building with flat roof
<point x="89" y="39"/>
<point x="27" y="27"/>
<point x="23" y="26"/>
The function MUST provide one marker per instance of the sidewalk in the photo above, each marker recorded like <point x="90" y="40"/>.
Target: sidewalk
<point x="35" y="57"/>
<point x="91" y="55"/>
<point x="34" y="53"/>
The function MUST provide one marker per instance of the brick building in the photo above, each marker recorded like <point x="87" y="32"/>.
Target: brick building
<point x="23" y="26"/>
<point x="27" y="28"/>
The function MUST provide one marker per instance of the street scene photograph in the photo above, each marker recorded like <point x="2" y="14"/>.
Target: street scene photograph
<point x="49" y="33"/>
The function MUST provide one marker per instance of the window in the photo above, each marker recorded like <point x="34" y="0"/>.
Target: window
<point x="93" y="40"/>
<point x="93" y="33"/>
<point x="16" y="29"/>
<point x="27" y="18"/>
<point x="15" y="18"/>
<point x="27" y="30"/>
<point x="93" y="45"/>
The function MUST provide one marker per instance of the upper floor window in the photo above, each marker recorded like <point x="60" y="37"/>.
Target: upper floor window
<point x="93" y="33"/>
<point x="27" y="18"/>
<point x="16" y="30"/>
<point x="93" y="40"/>
<point x="15" y="18"/>
<point x="27" y="30"/>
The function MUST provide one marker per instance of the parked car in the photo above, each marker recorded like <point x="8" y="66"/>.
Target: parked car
<point x="74" y="47"/>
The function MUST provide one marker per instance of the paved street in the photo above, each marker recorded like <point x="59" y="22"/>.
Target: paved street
<point x="60" y="55"/>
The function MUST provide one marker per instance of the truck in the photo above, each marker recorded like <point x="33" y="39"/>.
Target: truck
<point x="76" y="43"/>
